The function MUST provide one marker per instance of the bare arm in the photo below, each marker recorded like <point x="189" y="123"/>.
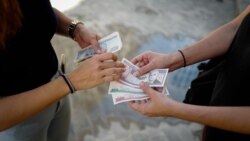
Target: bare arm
<point x="216" y="43"/>
<point x="90" y="73"/>
<point x="229" y="118"/>
<point x="82" y="35"/>
<point x="63" y="23"/>
<point x="14" y="109"/>
<point x="236" y="119"/>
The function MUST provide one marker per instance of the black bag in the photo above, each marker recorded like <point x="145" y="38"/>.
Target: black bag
<point x="201" y="88"/>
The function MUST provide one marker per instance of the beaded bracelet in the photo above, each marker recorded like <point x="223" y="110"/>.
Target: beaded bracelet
<point x="184" y="59"/>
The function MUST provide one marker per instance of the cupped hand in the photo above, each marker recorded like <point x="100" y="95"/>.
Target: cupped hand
<point x="85" y="37"/>
<point x="96" y="70"/>
<point x="158" y="104"/>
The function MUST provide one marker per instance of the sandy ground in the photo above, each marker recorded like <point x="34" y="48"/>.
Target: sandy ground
<point x="94" y="118"/>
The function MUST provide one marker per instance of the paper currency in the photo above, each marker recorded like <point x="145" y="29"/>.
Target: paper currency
<point x="121" y="93"/>
<point x="119" y="98"/>
<point x="111" y="43"/>
<point x="155" y="78"/>
<point x="84" y="54"/>
<point x="129" y="78"/>
<point x="128" y="89"/>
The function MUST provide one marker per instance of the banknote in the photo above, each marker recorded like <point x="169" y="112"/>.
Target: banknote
<point x="128" y="75"/>
<point x="111" y="43"/>
<point x="116" y="87"/>
<point x="128" y="88"/>
<point x="84" y="54"/>
<point x="154" y="78"/>
<point x="121" y="93"/>
<point x="119" y="98"/>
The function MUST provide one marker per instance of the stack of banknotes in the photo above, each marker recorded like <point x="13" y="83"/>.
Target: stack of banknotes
<point x="128" y="88"/>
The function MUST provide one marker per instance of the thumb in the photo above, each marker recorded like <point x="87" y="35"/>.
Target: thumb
<point x="95" y="45"/>
<point x="149" y="91"/>
<point x="144" y="69"/>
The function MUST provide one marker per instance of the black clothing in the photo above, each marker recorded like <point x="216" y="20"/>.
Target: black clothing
<point x="225" y="84"/>
<point x="29" y="61"/>
<point x="231" y="87"/>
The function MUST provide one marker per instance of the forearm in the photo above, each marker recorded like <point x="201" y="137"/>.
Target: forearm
<point x="214" y="44"/>
<point x="236" y="119"/>
<point x="63" y="23"/>
<point x="24" y="105"/>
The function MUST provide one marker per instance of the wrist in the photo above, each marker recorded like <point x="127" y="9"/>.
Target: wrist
<point x="73" y="27"/>
<point x="172" y="61"/>
<point x="173" y="107"/>
<point x="68" y="82"/>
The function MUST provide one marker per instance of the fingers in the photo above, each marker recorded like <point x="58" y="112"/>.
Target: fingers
<point x="112" y="71"/>
<point x="107" y="56"/>
<point x="144" y="69"/>
<point x="137" y="59"/>
<point x="82" y="43"/>
<point x="148" y="90"/>
<point x="138" y="107"/>
<point x="106" y="65"/>
<point x="95" y="45"/>
<point x="111" y="78"/>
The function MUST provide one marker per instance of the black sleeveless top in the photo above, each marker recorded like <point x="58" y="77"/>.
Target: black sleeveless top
<point x="29" y="61"/>
<point x="232" y="87"/>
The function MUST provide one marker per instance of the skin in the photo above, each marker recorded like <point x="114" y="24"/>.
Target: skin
<point x="214" y="44"/>
<point x="82" y="35"/>
<point x="90" y="73"/>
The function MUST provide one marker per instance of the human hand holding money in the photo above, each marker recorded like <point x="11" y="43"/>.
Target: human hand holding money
<point x="111" y="43"/>
<point x="128" y="88"/>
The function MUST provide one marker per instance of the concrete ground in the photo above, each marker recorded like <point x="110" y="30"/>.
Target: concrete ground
<point x="94" y="118"/>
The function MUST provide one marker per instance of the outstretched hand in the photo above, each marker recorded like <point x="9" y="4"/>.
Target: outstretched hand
<point x="151" y="60"/>
<point x="158" y="104"/>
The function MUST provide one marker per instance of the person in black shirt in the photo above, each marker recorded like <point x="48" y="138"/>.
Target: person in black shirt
<point x="32" y="100"/>
<point x="227" y="115"/>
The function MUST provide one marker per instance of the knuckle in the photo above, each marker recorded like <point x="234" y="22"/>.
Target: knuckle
<point x="96" y="57"/>
<point x="99" y="66"/>
<point x="112" y="71"/>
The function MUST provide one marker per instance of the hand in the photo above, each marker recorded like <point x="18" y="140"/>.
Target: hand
<point x="151" y="60"/>
<point x="158" y="104"/>
<point x="85" y="37"/>
<point x="96" y="70"/>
